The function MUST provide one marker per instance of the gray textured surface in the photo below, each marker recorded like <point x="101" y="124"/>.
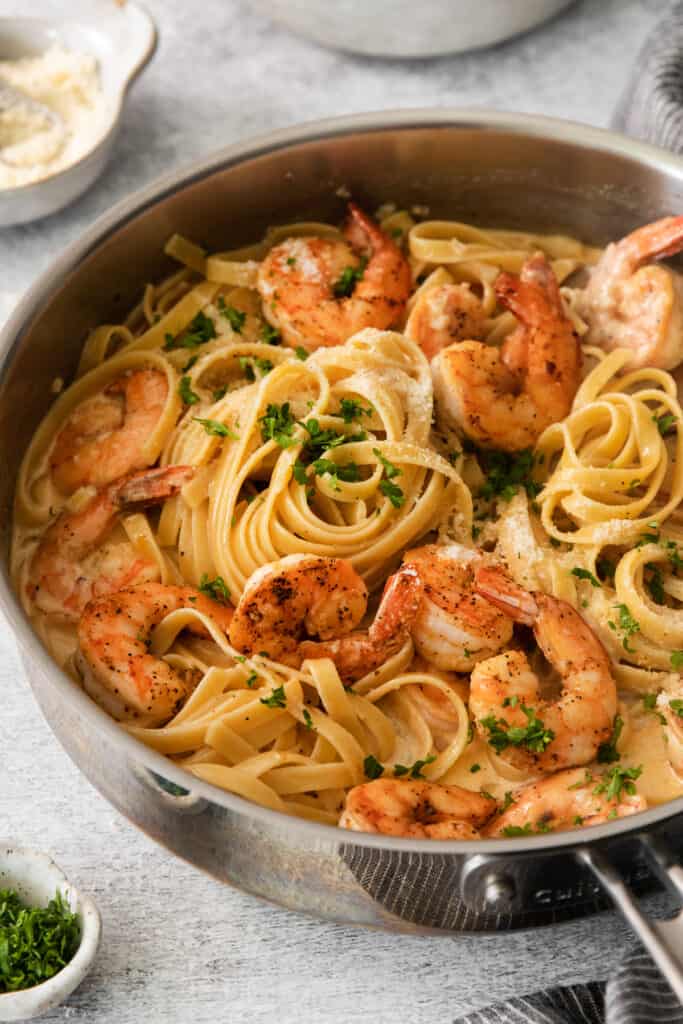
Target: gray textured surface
<point x="176" y="946"/>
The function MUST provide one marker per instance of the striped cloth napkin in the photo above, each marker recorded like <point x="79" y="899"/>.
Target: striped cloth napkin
<point x="650" y="109"/>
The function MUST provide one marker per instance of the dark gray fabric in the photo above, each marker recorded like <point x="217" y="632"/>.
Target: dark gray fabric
<point x="637" y="994"/>
<point x="651" y="109"/>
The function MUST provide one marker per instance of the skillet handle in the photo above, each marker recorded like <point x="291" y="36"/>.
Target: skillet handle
<point x="662" y="939"/>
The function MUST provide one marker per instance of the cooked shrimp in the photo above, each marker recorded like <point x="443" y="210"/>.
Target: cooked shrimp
<point x="627" y="304"/>
<point x="478" y="394"/>
<point x="569" y="799"/>
<point x="420" y="810"/>
<point x="297" y="596"/>
<point x="118" y="670"/>
<point x="307" y="284"/>
<point x="69" y="568"/>
<point x="505" y="693"/>
<point x="361" y="652"/>
<point x="442" y="315"/>
<point x="103" y="437"/>
<point x="455" y="627"/>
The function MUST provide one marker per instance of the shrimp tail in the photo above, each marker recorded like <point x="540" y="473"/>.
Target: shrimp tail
<point x="398" y="608"/>
<point x="362" y="232"/>
<point x="532" y="295"/>
<point x="149" y="486"/>
<point x="497" y="587"/>
<point x="655" y="241"/>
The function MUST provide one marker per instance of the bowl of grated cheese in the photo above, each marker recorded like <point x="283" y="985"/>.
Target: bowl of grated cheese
<point x="63" y="82"/>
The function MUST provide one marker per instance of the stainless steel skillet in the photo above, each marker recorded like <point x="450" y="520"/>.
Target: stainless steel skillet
<point x="493" y="169"/>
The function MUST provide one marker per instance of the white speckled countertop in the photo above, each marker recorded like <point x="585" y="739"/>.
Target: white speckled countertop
<point x="176" y="946"/>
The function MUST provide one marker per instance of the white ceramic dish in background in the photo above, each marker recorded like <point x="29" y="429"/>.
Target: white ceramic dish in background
<point x="122" y="36"/>
<point x="36" y="878"/>
<point x="402" y="28"/>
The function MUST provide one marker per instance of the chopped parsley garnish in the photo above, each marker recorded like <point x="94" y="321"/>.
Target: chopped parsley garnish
<point x="516" y="831"/>
<point x="669" y="546"/>
<point x="508" y="801"/>
<point x="219" y="393"/>
<point x="247" y="364"/>
<point x="251" y="679"/>
<point x="372" y="768"/>
<point x="506" y="472"/>
<point x="35" y="942"/>
<point x="618" y="779"/>
<point x="346" y="472"/>
<point x="677" y="660"/>
<point x="414" y="771"/>
<point x="217" y="589"/>
<point x="189" y="364"/>
<point x="320" y="441"/>
<point x="587" y="778"/>
<point x="578" y="820"/>
<point x="299" y="472"/>
<point x="606" y="568"/>
<point x="627" y="625"/>
<point x="649" y="538"/>
<point x="301" y="353"/>
<point x="650" y="705"/>
<point x="277" y="698"/>
<point x="389" y="489"/>
<point x="533" y="736"/>
<point x="677" y="706"/>
<point x="216" y="429"/>
<point x="607" y="751"/>
<point x="665" y="423"/>
<point x="655" y="582"/>
<point x="235" y="317"/>
<point x="186" y="393"/>
<point x="308" y="721"/>
<point x="350" y="409"/>
<point x="584" y="574"/>
<point x="277" y="424"/>
<point x="270" y="335"/>
<point x="345" y="284"/>
<point x="200" y="330"/>
<point x="475" y="768"/>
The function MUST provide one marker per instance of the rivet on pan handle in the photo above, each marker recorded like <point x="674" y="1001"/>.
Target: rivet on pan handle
<point x="662" y="939"/>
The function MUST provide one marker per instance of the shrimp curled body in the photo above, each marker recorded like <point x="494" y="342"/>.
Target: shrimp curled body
<point x="455" y="627"/>
<point x="628" y="304"/>
<point x="72" y="564"/>
<point x="564" y="800"/>
<point x="103" y="438"/>
<point x="443" y="315"/>
<point x="501" y="688"/>
<point x="287" y="603"/>
<point x="507" y="400"/>
<point x="418" y="810"/>
<point x="117" y="667"/>
<point x="299" y="278"/>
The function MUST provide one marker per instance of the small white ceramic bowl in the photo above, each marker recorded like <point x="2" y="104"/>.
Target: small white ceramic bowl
<point x="36" y="878"/>
<point x="402" y="28"/>
<point x="122" y="36"/>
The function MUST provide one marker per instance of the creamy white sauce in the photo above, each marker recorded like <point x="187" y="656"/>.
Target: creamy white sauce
<point x="35" y="144"/>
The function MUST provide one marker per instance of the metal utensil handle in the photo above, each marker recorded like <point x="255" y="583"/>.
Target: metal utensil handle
<point x="662" y="939"/>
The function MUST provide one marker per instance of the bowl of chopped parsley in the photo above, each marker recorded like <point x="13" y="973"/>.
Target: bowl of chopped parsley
<point x="49" y="934"/>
